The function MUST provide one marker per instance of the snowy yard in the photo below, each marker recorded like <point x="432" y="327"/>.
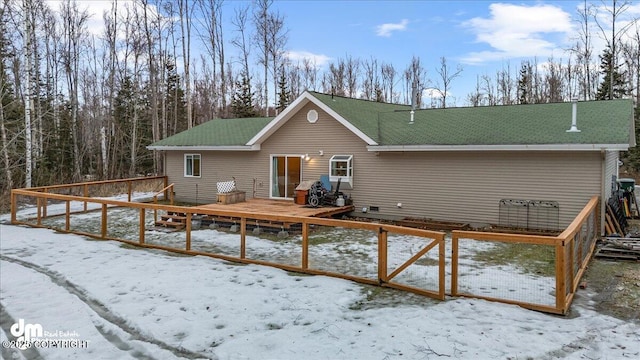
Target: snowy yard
<point x="126" y="302"/>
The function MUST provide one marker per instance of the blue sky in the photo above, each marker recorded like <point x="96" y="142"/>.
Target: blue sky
<point x="482" y="36"/>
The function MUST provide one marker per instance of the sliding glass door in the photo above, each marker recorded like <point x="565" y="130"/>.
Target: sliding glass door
<point x="286" y="174"/>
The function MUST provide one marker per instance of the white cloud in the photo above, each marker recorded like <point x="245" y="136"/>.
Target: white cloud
<point x="317" y="60"/>
<point x="518" y="31"/>
<point x="386" y="29"/>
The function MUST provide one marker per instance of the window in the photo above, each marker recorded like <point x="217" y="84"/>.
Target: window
<point x="341" y="167"/>
<point x="192" y="165"/>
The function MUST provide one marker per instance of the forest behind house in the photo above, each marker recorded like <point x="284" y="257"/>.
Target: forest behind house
<point x="80" y="106"/>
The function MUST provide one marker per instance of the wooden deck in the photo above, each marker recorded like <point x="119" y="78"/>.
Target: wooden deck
<point x="279" y="207"/>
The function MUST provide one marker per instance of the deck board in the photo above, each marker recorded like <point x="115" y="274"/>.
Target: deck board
<point x="279" y="207"/>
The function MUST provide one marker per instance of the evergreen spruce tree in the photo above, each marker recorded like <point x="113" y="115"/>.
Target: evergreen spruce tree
<point x="242" y="103"/>
<point x="631" y="158"/>
<point x="613" y="85"/>
<point x="284" y="95"/>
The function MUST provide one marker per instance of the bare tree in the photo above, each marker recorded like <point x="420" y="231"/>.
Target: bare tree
<point x="352" y="71"/>
<point x="370" y="83"/>
<point x="415" y="82"/>
<point x="447" y="75"/>
<point x="277" y="41"/>
<point x="475" y="98"/>
<point x="241" y="42"/>
<point x="212" y="38"/>
<point x="28" y="44"/>
<point x="261" y="39"/>
<point x="310" y="74"/>
<point x="616" y="10"/>
<point x="4" y="95"/>
<point x="505" y="85"/>
<point x="335" y="81"/>
<point x="631" y="51"/>
<point x="554" y="81"/>
<point x="185" y="31"/>
<point x="583" y="49"/>
<point x="389" y="74"/>
<point x="73" y="24"/>
<point x="154" y="86"/>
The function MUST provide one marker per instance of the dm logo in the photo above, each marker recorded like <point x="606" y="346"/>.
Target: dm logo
<point x="25" y="332"/>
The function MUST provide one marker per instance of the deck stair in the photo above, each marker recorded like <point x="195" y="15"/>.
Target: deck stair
<point x="172" y="220"/>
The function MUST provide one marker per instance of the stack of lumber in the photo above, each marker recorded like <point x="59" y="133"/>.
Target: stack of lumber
<point x="619" y="249"/>
<point x="615" y="219"/>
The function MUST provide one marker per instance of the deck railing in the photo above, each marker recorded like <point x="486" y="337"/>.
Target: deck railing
<point x="91" y="189"/>
<point x="400" y="272"/>
<point x="558" y="263"/>
<point x="166" y="190"/>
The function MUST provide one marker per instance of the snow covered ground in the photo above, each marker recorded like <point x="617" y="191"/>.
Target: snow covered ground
<point x="120" y="302"/>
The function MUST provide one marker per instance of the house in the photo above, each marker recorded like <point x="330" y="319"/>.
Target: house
<point x="471" y="165"/>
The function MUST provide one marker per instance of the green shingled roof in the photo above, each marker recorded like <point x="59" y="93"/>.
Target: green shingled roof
<point x="599" y="122"/>
<point x="218" y="132"/>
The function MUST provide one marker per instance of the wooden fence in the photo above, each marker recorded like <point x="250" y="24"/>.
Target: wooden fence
<point x="571" y="251"/>
<point x="388" y="274"/>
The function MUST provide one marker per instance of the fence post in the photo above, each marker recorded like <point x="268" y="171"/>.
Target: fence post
<point x="382" y="255"/>
<point x="39" y="210"/>
<point x="104" y="221"/>
<point x="561" y="286"/>
<point x="570" y="266"/>
<point x="129" y="191"/>
<point x="46" y="202"/>
<point x="243" y="237"/>
<point x="86" y="194"/>
<point x="442" y="270"/>
<point x="67" y="216"/>
<point x="188" y="231"/>
<point x="14" y="207"/>
<point x="142" y="225"/>
<point x="454" y="263"/>
<point x="166" y="183"/>
<point x="305" y="245"/>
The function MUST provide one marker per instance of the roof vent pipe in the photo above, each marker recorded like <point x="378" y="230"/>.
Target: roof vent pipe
<point x="574" y="116"/>
<point x="414" y="100"/>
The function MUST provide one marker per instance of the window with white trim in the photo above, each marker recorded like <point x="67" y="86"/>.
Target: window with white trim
<point x="341" y="167"/>
<point x="192" y="165"/>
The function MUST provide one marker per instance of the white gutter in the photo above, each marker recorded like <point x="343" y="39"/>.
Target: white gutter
<point x="206" y="148"/>
<point x="534" y="147"/>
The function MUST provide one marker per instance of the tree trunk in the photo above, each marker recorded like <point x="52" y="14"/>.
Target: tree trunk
<point x="27" y="94"/>
<point x="5" y="145"/>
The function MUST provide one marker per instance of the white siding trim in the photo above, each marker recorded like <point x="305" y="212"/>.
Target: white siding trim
<point x="535" y="147"/>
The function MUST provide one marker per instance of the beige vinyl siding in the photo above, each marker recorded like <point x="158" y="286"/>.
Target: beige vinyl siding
<point x="467" y="186"/>
<point x="610" y="167"/>
<point x="447" y="186"/>
<point x="216" y="166"/>
<point x="611" y="170"/>
<point x="299" y="137"/>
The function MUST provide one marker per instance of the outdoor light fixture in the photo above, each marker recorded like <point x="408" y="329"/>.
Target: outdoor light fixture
<point x="307" y="157"/>
<point x="321" y="152"/>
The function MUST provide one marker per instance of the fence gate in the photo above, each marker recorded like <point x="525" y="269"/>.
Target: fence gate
<point x="417" y="274"/>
